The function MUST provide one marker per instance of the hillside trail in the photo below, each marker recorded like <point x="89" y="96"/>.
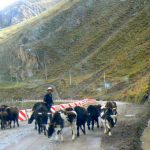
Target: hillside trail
<point x="105" y="40"/>
<point x="84" y="84"/>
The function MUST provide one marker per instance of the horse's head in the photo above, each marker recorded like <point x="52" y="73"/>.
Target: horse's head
<point x="30" y="120"/>
<point x="40" y="106"/>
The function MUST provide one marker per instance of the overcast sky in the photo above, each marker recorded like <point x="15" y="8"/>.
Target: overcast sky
<point x="5" y="3"/>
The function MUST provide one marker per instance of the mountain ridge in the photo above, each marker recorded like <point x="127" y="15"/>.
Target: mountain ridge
<point x="23" y="10"/>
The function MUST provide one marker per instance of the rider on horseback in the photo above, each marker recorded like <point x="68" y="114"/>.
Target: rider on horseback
<point x="48" y="99"/>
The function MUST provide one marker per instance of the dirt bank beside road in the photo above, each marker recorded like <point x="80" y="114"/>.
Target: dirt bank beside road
<point x="131" y="123"/>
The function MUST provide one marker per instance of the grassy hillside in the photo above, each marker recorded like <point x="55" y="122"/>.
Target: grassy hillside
<point x="87" y="37"/>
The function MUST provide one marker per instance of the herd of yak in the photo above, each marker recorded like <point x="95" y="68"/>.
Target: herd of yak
<point x="7" y="115"/>
<point x="76" y="118"/>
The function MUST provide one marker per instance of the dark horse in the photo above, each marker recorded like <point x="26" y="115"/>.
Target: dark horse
<point x="40" y="114"/>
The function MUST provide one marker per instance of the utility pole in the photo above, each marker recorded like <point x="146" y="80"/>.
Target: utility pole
<point x="16" y="77"/>
<point x="45" y="66"/>
<point x="104" y="80"/>
<point x="70" y="78"/>
<point x="10" y="72"/>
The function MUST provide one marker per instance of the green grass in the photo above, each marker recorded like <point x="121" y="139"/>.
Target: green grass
<point x="12" y="85"/>
<point x="112" y="37"/>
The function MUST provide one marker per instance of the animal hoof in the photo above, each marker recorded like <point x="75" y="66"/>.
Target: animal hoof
<point x="73" y="138"/>
<point x="62" y="138"/>
<point x="110" y="134"/>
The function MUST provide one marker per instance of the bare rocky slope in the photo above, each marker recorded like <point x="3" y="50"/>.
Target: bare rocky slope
<point x="22" y="10"/>
<point x="85" y="38"/>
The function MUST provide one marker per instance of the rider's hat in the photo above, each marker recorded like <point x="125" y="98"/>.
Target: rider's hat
<point x="49" y="88"/>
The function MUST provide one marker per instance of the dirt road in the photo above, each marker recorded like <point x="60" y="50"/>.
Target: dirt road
<point x="26" y="138"/>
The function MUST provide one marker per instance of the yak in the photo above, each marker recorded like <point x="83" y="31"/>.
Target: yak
<point x="7" y="115"/>
<point x="109" y="116"/>
<point x="75" y="118"/>
<point x="60" y="120"/>
<point x="93" y="115"/>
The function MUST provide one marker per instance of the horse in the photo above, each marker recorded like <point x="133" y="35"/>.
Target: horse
<point x="40" y="114"/>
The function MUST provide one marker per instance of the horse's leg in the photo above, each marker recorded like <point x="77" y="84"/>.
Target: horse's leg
<point x="81" y="128"/>
<point x="2" y="123"/>
<point x="17" y="122"/>
<point x="84" y="128"/>
<point x="57" y="136"/>
<point x="92" y="123"/>
<point x="35" y="125"/>
<point x="78" y="134"/>
<point x="109" y="132"/>
<point x="101" y="122"/>
<point x="58" y="133"/>
<point x="9" y="122"/>
<point x="61" y="136"/>
<point x="44" y="128"/>
<point x="115" y="121"/>
<point x="108" y="129"/>
<point x="73" y="131"/>
<point x="97" y="122"/>
<point x="88" y="123"/>
<point x="39" y="128"/>
<point x="105" y="127"/>
<point x="14" y="123"/>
